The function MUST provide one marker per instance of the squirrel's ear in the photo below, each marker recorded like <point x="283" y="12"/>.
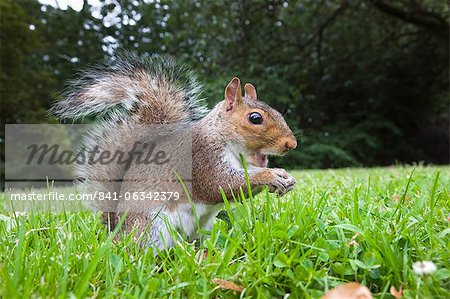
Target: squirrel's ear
<point x="233" y="94"/>
<point x="250" y="91"/>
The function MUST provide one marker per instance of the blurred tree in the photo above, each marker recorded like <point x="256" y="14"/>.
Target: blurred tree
<point x="431" y="15"/>
<point x="24" y="87"/>
<point x="365" y="82"/>
<point x="75" y="39"/>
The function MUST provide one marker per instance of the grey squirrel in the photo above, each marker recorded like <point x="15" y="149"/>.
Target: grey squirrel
<point x="133" y="91"/>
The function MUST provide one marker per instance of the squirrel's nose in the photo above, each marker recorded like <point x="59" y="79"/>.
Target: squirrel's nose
<point x="290" y="144"/>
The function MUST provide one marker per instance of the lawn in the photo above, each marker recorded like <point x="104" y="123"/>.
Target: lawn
<point x="365" y="225"/>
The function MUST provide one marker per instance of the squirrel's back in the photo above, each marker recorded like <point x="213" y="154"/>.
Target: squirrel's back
<point x="127" y="92"/>
<point x="151" y="90"/>
<point x="131" y="92"/>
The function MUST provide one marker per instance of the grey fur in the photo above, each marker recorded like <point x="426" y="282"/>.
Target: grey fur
<point x="158" y="90"/>
<point x="109" y="88"/>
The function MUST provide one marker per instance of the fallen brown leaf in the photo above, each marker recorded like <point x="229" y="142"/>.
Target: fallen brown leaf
<point x="351" y="290"/>
<point x="397" y="294"/>
<point x="228" y="285"/>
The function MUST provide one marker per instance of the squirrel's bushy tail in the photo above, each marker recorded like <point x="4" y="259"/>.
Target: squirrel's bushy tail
<point x="125" y="94"/>
<point x="149" y="90"/>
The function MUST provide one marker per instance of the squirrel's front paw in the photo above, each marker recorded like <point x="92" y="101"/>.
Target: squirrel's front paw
<point x="282" y="182"/>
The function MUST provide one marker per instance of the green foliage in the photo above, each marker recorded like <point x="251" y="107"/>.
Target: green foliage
<point x="365" y="225"/>
<point x="373" y="75"/>
<point x="23" y="86"/>
<point x="320" y="155"/>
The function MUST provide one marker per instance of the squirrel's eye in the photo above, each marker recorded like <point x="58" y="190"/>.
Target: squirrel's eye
<point x="255" y="118"/>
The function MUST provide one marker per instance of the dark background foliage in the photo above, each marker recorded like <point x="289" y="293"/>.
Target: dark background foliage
<point x="365" y="82"/>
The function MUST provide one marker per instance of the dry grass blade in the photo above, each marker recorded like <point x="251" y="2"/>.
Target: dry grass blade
<point x="228" y="285"/>
<point x="201" y="255"/>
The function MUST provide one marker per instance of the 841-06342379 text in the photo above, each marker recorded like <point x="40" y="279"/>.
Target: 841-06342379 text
<point x="97" y="195"/>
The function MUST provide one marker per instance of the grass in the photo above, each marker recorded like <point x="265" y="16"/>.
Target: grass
<point x="365" y="225"/>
